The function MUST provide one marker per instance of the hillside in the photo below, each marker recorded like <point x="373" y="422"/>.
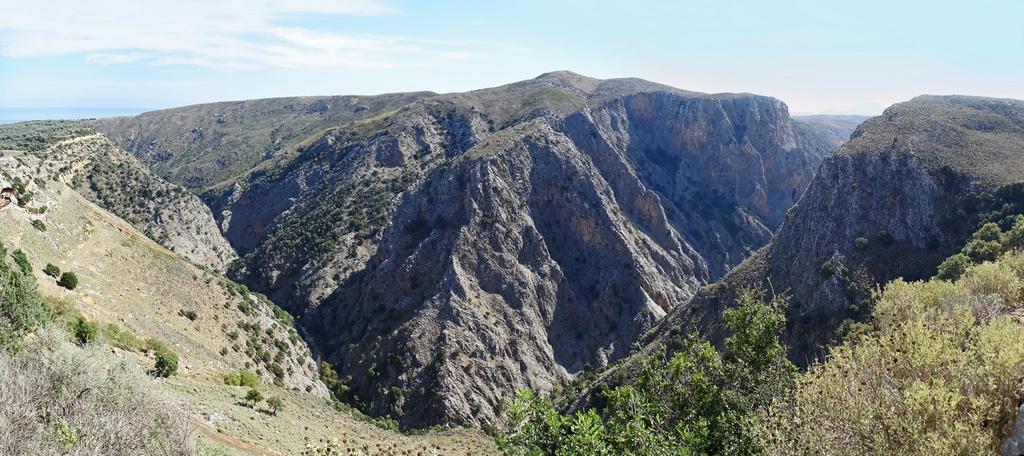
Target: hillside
<point x="420" y="246"/>
<point x="73" y="153"/>
<point x="208" y="145"/>
<point x="141" y="295"/>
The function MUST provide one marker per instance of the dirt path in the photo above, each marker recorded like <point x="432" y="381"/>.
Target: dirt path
<point x="231" y="442"/>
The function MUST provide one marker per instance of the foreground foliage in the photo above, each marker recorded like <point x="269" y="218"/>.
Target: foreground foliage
<point x="56" y="398"/>
<point x="695" y="402"/>
<point x="939" y="371"/>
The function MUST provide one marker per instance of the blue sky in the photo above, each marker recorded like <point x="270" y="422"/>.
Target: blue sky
<point x="817" y="56"/>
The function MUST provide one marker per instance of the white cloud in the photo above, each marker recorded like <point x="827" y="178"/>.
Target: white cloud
<point x="230" y="34"/>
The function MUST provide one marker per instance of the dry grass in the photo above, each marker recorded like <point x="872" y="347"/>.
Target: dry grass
<point x="56" y="398"/>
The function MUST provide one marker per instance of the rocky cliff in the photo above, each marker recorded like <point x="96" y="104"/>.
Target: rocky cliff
<point x="903" y="194"/>
<point x="470" y="244"/>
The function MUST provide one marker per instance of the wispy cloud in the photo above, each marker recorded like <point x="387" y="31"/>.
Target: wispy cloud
<point x="228" y="34"/>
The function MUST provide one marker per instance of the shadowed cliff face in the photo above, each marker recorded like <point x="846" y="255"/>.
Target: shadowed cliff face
<point x="471" y="244"/>
<point x="903" y="194"/>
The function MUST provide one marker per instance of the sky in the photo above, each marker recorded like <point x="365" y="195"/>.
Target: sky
<point x="849" y="57"/>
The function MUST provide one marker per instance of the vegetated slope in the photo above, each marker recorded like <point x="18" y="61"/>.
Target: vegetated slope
<point x="470" y="244"/>
<point x="833" y="129"/>
<point x="136" y="291"/>
<point x="107" y="175"/>
<point x="903" y="194"/>
<point x="204" y="145"/>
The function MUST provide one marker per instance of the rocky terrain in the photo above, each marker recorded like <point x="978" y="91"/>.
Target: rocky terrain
<point x="903" y="194"/>
<point x="141" y="295"/>
<point x="72" y="153"/>
<point x="448" y="252"/>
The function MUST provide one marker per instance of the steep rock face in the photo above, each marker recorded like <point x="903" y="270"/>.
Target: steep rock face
<point x="904" y="193"/>
<point x="466" y="245"/>
<point x="423" y="249"/>
<point x="515" y="266"/>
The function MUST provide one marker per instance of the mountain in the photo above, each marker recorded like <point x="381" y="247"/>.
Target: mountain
<point x="905" y="192"/>
<point x="445" y="252"/>
<point x="833" y="130"/>
<point x="206" y="145"/>
<point x="144" y="299"/>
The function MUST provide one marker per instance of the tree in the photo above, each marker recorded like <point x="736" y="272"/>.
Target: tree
<point x="275" y="404"/>
<point x="166" y="363"/>
<point x="253" y="397"/>
<point x="68" y="280"/>
<point x="51" y="270"/>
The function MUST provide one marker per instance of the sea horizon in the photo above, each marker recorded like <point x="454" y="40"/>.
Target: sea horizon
<point x="15" y="114"/>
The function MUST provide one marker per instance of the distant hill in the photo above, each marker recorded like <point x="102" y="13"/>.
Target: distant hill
<point x="207" y="145"/>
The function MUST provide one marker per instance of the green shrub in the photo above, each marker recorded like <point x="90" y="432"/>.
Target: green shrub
<point x="68" y="280"/>
<point x="695" y="402"/>
<point x="190" y="314"/>
<point x="51" y="270"/>
<point x="953" y="267"/>
<point x="166" y="363"/>
<point x="83" y="330"/>
<point x="861" y="243"/>
<point x="245" y="378"/>
<point x="827" y="269"/>
<point x="21" y="259"/>
<point x="39" y="225"/>
<point x="938" y="373"/>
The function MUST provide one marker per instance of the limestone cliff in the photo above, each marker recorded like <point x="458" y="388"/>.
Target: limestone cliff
<point x="471" y="244"/>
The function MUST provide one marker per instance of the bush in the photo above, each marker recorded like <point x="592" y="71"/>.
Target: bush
<point x="190" y="314"/>
<point x="61" y="399"/>
<point x="21" y="308"/>
<point x="21" y="259"/>
<point x="83" y="330"/>
<point x="166" y="363"/>
<point x="242" y="378"/>
<point x="68" y="280"/>
<point x="39" y="225"/>
<point x="938" y="373"/>
<point x="861" y="243"/>
<point x="51" y="270"/>
<point x="953" y="267"/>
<point x="695" y="402"/>
<point x="827" y="269"/>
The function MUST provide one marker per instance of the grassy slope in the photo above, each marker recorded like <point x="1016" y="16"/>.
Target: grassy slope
<point x="131" y="281"/>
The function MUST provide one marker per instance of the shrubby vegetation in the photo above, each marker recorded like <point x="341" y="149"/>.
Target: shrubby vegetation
<point x="21" y="308"/>
<point x="938" y="371"/>
<point x="61" y="399"/>
<point x="697" y="401"/>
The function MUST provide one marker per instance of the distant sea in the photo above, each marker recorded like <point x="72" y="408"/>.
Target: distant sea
<point x="14" y="115"/>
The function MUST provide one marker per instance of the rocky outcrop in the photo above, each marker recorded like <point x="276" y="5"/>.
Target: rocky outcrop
<point x="472" y="244"/>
